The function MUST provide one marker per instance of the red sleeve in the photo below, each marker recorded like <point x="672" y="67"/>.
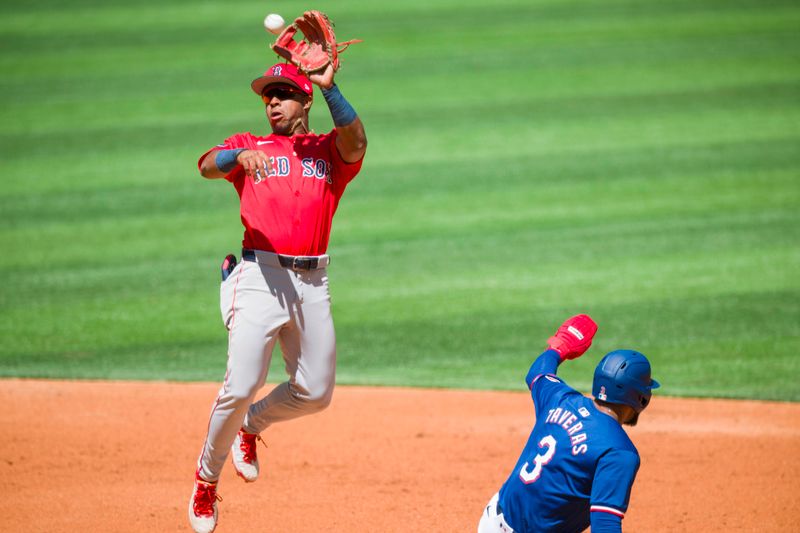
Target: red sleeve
<point x="343" y="172"/>
<point x="239" y="140"/>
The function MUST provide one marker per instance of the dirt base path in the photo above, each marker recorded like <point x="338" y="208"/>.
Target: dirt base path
<point x="119" y="457"/>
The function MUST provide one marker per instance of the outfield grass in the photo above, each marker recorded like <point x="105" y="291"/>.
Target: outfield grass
<point x="636" y="160"/>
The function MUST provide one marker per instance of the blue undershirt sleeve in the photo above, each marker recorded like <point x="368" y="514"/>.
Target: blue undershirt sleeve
<point x="342" y="112"/>
<point x="606" y="523"/>
<point x="546" y="363"/>
<point x="226" y="159"/>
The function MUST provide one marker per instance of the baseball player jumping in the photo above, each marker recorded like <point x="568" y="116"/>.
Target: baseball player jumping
<point x="578" y="466"/>
<point x="289" y="184"/>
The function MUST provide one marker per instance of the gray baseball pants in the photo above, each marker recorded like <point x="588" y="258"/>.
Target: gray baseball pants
<point x="262" y="302"/>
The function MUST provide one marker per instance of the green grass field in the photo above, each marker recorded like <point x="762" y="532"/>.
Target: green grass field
<point x="638" y="160"/>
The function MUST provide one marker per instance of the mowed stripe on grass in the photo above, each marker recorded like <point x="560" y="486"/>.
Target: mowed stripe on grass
<point x="637" y="162"/>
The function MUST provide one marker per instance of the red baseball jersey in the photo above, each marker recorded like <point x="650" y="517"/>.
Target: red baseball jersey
<point x="290" y="210"/>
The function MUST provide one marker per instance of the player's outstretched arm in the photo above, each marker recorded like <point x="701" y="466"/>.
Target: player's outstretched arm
<point x="209" y="168"/>
<point x="571" y="340"/>
<point x="351" y="139"/>
<point x="546" y="363"/>
<point x="218" y="163"/>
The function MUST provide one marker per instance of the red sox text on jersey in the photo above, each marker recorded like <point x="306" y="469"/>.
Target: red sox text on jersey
<point x="312" y="168"/>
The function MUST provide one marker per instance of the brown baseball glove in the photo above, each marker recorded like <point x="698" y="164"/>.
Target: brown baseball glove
<point x="317" y="47"/>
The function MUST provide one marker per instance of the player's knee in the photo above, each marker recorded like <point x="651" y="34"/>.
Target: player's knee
<point x="318" y="404"/>
<point x="314" y="398"/>
<point x="241" y="394"/>
<point x="322" y="401"/>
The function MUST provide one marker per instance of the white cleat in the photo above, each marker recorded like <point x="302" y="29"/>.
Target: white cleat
<point x="203" y="506"/>
<point x="244" y="456"/>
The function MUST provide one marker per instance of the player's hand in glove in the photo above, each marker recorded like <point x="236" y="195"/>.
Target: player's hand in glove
<point x="316" y="49"/>
<point x="574" y="337"/>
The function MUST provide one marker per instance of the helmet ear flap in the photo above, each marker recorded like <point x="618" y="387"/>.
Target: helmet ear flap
<point x="646" y="399"/>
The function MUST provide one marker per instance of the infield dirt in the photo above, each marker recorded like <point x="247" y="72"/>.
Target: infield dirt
<point x="120" y="457"/>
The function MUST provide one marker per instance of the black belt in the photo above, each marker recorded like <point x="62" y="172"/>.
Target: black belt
<point x="295" y="262"/>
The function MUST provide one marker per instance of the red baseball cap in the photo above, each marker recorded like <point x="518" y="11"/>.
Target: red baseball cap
<point x="283" y="73"/>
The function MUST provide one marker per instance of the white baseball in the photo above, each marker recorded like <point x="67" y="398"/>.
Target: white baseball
<point x="274" y="23"/>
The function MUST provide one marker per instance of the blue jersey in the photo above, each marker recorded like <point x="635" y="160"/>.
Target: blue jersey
<point x="577" y="460"/>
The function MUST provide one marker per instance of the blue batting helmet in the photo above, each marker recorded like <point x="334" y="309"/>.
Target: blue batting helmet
<point x="623" y="376"/>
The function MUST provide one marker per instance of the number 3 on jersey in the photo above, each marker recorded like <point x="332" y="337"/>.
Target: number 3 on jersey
<point x="539" y="461"/>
